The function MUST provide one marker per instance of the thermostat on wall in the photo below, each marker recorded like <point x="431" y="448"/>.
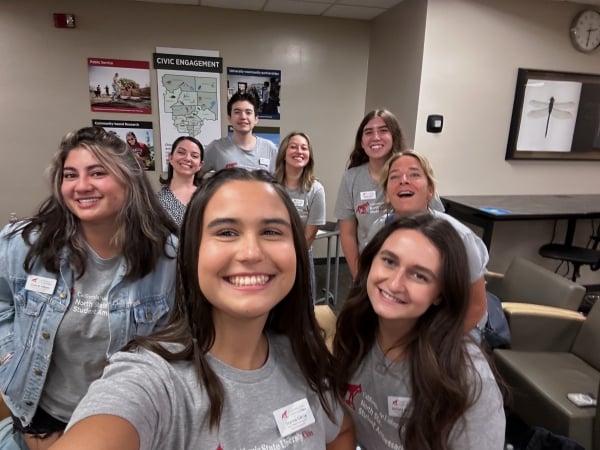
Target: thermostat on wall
<point x="435" y="123"/>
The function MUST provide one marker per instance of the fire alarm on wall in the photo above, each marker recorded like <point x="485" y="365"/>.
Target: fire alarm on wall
<point x="64" y="20"/>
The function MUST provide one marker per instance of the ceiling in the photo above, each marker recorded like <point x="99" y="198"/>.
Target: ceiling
<point x="347" y="9"/>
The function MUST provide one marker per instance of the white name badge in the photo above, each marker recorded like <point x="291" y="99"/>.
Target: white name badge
<point x="397" y="405"/>
<point x="368" y="195"/>
<point x="293" y="417"/>
<point x="298" y="202"/>
<point x="264" y="161"/>
<point x="40" y="284"/>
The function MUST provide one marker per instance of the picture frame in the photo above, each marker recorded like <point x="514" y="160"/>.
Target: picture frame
<point x="556" y="116"/>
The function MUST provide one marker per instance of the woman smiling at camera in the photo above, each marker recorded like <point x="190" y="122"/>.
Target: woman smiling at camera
<point x="412" y="379"/>
<point x="242" y="363"/>
<point x="94" y="267"/>
<point x="295" y="169"/>
<point x="183" y="176"/>
<point x="409" y="188"/>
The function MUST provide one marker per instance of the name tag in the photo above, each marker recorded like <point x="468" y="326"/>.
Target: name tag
<point x="293" y="417"/>
<point x="298" y="202"/>
<point x="264" y="161"/>
<point x="40" y="284"/>
<point x="368" y="195"/>
<point x="397" y="405"/>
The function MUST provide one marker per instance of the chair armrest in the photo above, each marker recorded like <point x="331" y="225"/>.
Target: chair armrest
<point x="541" y="328"/>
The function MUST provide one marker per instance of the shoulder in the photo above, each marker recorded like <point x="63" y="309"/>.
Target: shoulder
<point x="124" y="364"/>
<point x="266" y="145"/>
<point x="473" y="243"/>
<point x="283" y="355"/>
<point x="219" y="143"/>
<point x="11" y="237"/>
<point x="460" y="228"/>
<point x="317" y="188"/>
<point x="357" y="171"/>
<point x="164" y="193"/>
<point x="481" y="365"/>
<point x="354" y="174"/>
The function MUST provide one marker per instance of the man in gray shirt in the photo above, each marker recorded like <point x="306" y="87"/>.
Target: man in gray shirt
<point x="243" y="149"/>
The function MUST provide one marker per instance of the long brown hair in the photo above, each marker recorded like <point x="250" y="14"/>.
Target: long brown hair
<point x="191" y="324"/>
<point x="143" y="227"/>
<point x="358" y="155"/>
<point x="441" y="390"/>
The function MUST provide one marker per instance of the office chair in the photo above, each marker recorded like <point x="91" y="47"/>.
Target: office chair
<point x="578" y="256"/>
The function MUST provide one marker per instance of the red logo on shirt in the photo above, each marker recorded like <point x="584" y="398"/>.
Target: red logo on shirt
<point x="352" y="390"/>
<point x="230" y="165"/>
<point x="363" y="208"/>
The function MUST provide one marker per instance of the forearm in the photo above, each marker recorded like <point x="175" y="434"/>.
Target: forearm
<point x="349" y="245"/>
<point x="310" y="232"/>
<point x="101" y="432"/>
<point x="477" y="304"/>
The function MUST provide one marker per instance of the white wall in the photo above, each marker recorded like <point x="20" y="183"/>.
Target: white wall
<point x="44" y="76"/>
<point x="395" y="63"/>
<point x="470" y="56"/>
<point x="472" y="51"/>
<point x="454" y="57"/>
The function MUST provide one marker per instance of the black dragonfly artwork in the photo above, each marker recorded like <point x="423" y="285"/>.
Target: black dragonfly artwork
<point x="551" y="108"/>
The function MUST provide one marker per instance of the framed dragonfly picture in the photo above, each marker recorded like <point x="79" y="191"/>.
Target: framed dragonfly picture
<point x="556" y="115"/>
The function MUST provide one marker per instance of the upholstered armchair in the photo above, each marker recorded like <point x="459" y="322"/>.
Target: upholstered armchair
<point x="527" y="282"/>
<point x="553" y="352"/>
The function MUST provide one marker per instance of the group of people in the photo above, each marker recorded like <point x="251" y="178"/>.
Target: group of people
<point x="185" y="320"/>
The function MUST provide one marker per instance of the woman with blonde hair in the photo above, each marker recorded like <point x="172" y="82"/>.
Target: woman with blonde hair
<point x="409" y="187"/>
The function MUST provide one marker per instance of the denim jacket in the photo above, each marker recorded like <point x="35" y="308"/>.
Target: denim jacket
<point x="29" y="320"/>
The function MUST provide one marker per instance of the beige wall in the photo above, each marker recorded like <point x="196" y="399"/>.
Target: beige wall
<point x="395" y="62"/>
<point x="454" y="57"/>
<point x="44" y="79"/>
<point x="472" y="50"/>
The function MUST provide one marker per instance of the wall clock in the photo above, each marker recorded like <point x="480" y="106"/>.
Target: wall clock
<point x="585" y="30"/>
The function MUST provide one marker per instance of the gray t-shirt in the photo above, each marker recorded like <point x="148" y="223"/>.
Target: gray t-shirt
<point x="310" y="205"/>
<point x="477" y="254"/>
<point x="379" y="392"/>
<point x="81" y="345"/>
<point x="169" y="407"/>
<point x="224" y="152"/>
<point x="360" y="198"/>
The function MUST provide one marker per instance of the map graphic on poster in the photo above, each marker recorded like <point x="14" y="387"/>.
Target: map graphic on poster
<point x="188" y="84"/>
<point x="191" y="101"/>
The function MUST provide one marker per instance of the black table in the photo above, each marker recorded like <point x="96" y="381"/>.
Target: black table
<point x="484" y="210"/>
